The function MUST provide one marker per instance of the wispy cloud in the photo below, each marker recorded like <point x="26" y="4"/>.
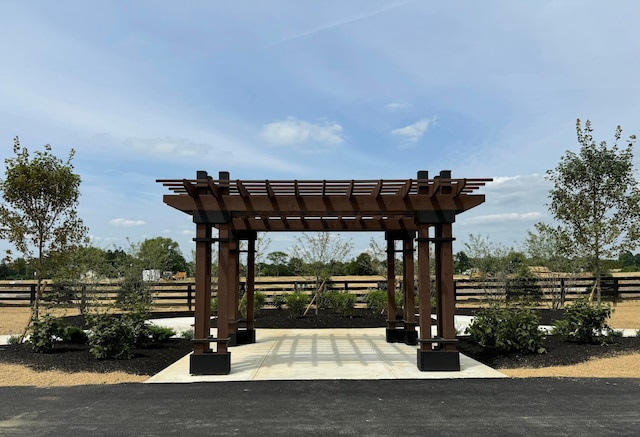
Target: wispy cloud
<point x="505" y="217"/>
<point x="396" y="106"/>
<point x="168" y="146"/>
<point x="126" y="222"/>
<point x="415" y="131"/>
<point x="295" y="133"/>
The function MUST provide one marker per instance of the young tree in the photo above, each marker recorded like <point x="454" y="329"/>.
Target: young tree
<point x="318" y="252"/>
<point x="39" y="217"/>
<point x="595" y="199"/>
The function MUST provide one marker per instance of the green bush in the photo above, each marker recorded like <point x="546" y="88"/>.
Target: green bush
<point x="297" y="303"/>
<point x="74" y="334"/>
<point x="13" y="339"/>
<point x="157" y="333"/>
<point x="45" y="333"/>
<point x="508" y="329"/>
<point x="111" y="336"/>
<point x="214" y="306"/>
<point x="377" y="301"/>
<point x="187" y="334"/>
<point x="278" y="301"/>
<point x="259" y="299"/>
<point x="583" y="322"/>
<point x="342" y="302"/>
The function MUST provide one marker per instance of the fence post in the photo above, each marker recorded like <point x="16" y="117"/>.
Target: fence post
<point x="346" y="286"/>
<point x="189" y="296"/>
<point x="32" y="295"/>
<point x="615" y="290"/>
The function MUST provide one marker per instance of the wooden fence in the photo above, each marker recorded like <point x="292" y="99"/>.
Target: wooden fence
<point x="468" y="291"/>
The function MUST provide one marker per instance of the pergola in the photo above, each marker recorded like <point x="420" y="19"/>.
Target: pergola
<point x="415" y="211"/>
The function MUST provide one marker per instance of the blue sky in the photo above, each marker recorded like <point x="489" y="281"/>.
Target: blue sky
<point x="359" y="89"/>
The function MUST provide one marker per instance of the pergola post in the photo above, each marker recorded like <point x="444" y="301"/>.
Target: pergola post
<point x="408" y="281"/>
<point x="248" y="334"/>
<point x="393" y="334"/>
<point x="424" y="291"/>
<point x="233" y="273"/>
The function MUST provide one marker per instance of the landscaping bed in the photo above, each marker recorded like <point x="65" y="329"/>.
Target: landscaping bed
<point x="148" y="361"/>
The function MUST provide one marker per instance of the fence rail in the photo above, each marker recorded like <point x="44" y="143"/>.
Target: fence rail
<point x="182" y="293"/>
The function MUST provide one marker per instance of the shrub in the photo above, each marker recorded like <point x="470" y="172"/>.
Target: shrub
<point x="13" y="339"/>
<point x="297" y="303"/>
<point x="508" y="329"/>
<point x="187" y="334"/>
<point x="111" y="336"/>
<point x="377" y="301"/>
<point x="582" y="322"/>
<point x="74" y="334"/>
<point x="45" y="333"/>
<point x="259" y="299"/>
<point x="278" y="301"/>
<point x="214" y="306"/>
<point x="342" y="303"/>
<point x="157" y="333"/>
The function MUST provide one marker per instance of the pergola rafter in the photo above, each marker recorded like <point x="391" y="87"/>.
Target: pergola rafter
<point x="402" y="209"/>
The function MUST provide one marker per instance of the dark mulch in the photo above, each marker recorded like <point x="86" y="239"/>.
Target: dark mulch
<point x="76" y="358"/>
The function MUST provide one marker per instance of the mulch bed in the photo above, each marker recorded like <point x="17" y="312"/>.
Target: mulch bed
<point x="149" y="361"/>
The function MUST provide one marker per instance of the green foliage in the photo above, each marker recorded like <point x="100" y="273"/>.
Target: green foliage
<point x="342" y="302"/>
<point x="583" y="322"/>
<point x="134" y="294"/>
<point x="508" y="329"/>
<point x="595" y="199"/>
<point x="13" y="339"/>
<point x="161" y="254"/>
<point x="214" y="306"/>
<point x="45" y="332"/>
<point x="113" y="336"/>
<point x="157" y="333"/>
<point x="297" y="303"/>
<point x="259" y="298"/>
<point x="74" y="334"/>
<point x="377" y="301"/>
<point x="187" y="334"/>
<point x="278" y="301"/>
<point x="40" y="194"/>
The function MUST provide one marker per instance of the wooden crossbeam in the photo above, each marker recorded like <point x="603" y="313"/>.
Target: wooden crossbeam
<point x="191" y="190"/>
<point x="350" y="188"/>
<point x="270" y="192"/>
<point x="244" y="193"/>
<point x="377" y="189"/>
<point x="213" y="188"/>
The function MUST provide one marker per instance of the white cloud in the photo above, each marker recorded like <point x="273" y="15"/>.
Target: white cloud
<point x="126" y="223"/>
<point x="395" y="106"/>
<point x="294" y="132"/>
<point x="168" y="146"/>
<point x="414" y="131"/>
<point x="505" y="217"/>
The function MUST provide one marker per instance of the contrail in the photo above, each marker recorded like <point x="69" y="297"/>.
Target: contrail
<point x="340" y="23"/>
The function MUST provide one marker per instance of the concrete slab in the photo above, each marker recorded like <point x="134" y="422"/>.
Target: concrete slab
<point x="309" y="354"/>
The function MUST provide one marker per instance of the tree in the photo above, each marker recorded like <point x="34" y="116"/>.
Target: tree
<point x="595" y="199"/>
<point x="363" y="265"/>
<point x="162" y="254"/>
<point x="461" y="263"/>
<point x="278" y="261"/>
<point x="39" y="214"/>
<point x="318" y="252"/>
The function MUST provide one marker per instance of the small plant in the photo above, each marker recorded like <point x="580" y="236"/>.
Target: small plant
<point x="45" y="333"/>
<point x="159" y="333"/>
<point x="187" y="334"/>
<point x="214" y="306"/>
<point x="583" y="322"/>
<point x="111" y="337"/>
<point x="259" y="299"/>
<point x="14" y="339"/>
<point x="509" y="329"/>
<point x="377" y="301"/>
<point x="297" y="303"/>
<point x="278" y="301"/>
<point x="342" y="303"/>
<point x="74" y="334"/>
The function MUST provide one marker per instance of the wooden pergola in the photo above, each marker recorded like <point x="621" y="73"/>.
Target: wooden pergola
<point x="415" y="211"/>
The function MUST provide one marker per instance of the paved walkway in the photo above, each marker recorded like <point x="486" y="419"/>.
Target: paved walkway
<point x="307" y="354"/>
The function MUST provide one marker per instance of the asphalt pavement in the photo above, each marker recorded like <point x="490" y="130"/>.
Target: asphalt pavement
<point x="452" y="407"/>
